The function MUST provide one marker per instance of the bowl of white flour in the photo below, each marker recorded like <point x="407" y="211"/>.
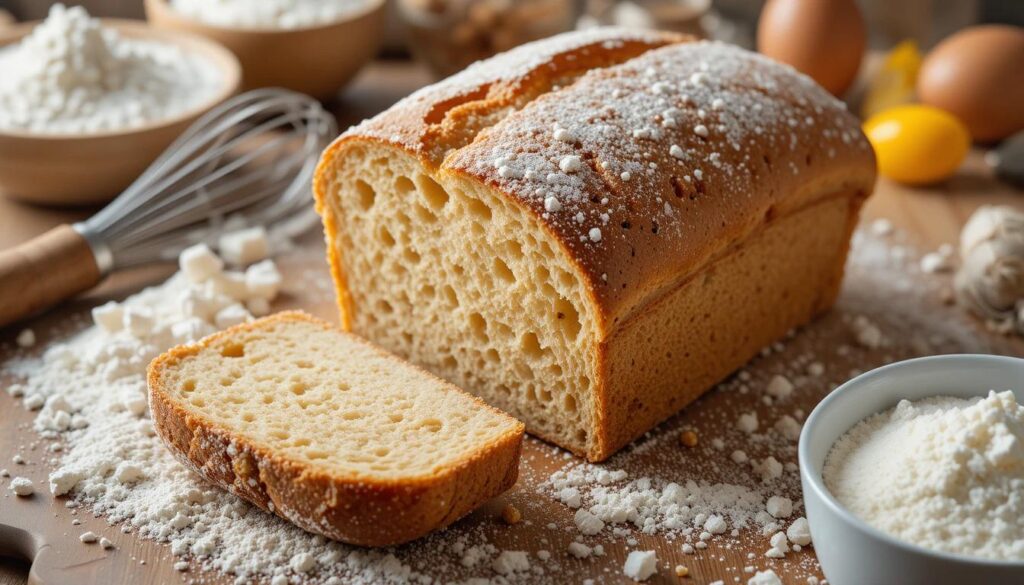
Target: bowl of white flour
<point x="87" y="104"/>
<point x="914" y="473"/>
<point x="310" y="46"/>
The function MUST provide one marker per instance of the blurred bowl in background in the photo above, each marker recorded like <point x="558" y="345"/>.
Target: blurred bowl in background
<point x="682" y="16"/>
<point x="87" y="169"/>
<point x="448" y="35"/>
<point x="315" y="60"/>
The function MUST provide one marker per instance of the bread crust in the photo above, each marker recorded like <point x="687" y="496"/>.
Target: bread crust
<point x="704" y="184"/>
<point x="365" y="511"/>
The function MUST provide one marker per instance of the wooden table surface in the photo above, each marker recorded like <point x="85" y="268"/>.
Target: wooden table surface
<point x="928" y="217"/>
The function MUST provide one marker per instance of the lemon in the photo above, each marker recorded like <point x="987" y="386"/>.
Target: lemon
<point x="917" y="144"/>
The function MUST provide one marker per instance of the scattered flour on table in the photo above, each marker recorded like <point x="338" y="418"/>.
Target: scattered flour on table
<point x="285" y="14"/>
<point x="944" y="473"/>
<point x="93" y="388"/>
<point x="72" y="75"/>
<point x="704" y="499"/>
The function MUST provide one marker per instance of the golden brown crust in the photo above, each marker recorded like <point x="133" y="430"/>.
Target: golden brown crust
<point x="364" y="511"/>
<point x="449" y="114"/>
<point x="789" y="271"/>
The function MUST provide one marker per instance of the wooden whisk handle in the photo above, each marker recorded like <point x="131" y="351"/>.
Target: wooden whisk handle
<point x="45" y="270"/>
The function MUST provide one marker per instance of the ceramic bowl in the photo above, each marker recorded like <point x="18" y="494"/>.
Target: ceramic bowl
<point x="87" y="169"/>
<point x="449" y="36"/>
<point x="850" y="551"/>
<point x="316" y="60"/>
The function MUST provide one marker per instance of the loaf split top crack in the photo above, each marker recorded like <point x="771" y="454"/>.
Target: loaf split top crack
<point x="591" y="230"/>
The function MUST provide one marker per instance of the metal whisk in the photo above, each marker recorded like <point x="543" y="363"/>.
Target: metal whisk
<point x="249" y="161"/>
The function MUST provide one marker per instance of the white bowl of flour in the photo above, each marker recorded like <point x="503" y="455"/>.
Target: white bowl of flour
<point x="310" y="46"/>
<point x="914" y="473"/>
<point x="87" y="104"/>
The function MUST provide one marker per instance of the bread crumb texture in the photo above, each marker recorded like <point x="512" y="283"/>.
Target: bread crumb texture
<point x="330" y="432"/>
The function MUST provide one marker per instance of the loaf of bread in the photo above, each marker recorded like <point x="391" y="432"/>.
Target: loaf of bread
<point x="590" y="231"/>
<point x="329" y="432"/>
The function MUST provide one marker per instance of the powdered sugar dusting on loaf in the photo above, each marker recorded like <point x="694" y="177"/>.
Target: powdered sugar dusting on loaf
<point x="667" y="144"/>
<point x="492" y="77"/>
<point x="516" y="63"/>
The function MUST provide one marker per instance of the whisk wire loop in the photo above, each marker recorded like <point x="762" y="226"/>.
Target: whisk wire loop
<point x="251" y="158"/>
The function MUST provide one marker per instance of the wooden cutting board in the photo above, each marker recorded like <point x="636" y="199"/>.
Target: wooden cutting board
<point x="41" y="529"/>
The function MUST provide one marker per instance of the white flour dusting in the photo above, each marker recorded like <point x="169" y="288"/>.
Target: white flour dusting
<point x="72" y="75"/>
<point x="944" y="473"/>
<point x="285" y="14"/>
<point x="94" y="390"/>
<point x="698" y="500"/>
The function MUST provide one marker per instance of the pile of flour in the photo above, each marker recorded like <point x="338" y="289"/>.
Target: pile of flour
<point x="71" y="75"/>
<point x="944" y="473"/>
<point x="285" y="14"/>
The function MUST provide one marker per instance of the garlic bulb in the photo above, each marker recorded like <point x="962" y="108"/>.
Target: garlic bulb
<point x="991" y="278"/>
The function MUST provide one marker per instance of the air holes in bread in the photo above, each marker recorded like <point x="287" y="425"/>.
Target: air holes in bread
<point x="569" y="402"/>
<point x="432" y="425"/>
<point x="404" y="185"/>
<point x="567" y="318"/>
<point x="384" y="234"/>
<point x="366" y="194"/>
<point x="435" y="195"/>
<point x="450" y="296"/>
<point x="514" y="249"/>
<point x="411" y="256"/>
<point x="503" y="271"/>
<point x="476" y="292"/>
<point x="478" y="326"/>
<point x="531" y="345"/>
<point x="478" y="209"/>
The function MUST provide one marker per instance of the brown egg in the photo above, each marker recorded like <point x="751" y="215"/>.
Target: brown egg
<point x="822" y="38"/>
<point x="977" y="75"/>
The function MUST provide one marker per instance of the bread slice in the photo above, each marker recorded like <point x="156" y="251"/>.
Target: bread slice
<point x="591" y="230"/>
<point x="329" y="432"/>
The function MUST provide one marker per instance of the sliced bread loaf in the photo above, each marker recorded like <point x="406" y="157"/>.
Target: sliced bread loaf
<point x="330" y="432"/>
<point x="591" y="230"/>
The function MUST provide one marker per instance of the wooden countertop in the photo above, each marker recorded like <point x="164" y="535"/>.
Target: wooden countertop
<point x="929" y="217"/>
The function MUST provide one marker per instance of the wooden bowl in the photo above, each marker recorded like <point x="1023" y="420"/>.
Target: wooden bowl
<point x="87" y="169"/>
<point x="316" y="60"/>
